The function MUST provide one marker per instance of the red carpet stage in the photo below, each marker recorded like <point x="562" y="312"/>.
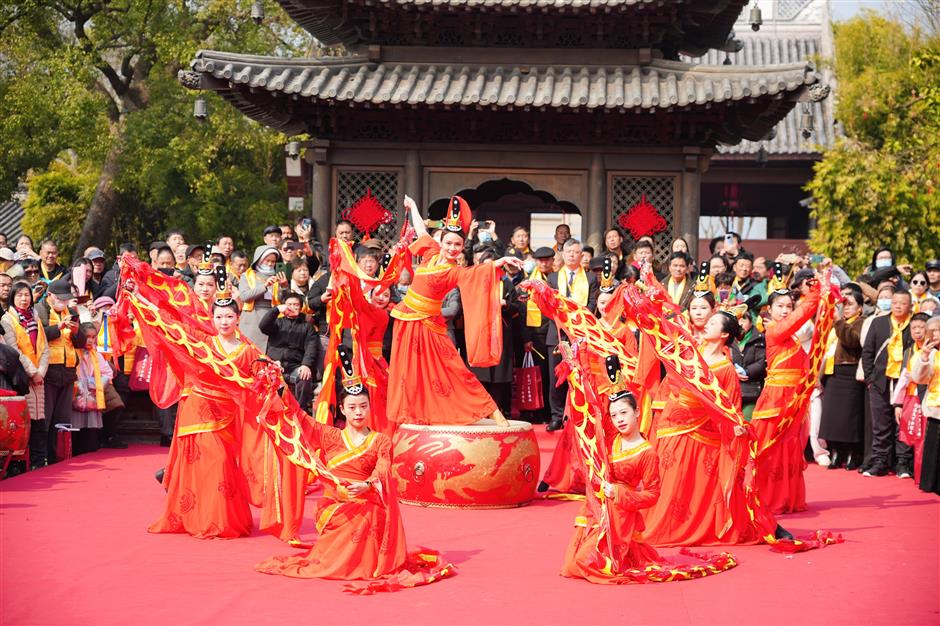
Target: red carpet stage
<point x="75" y="551"/>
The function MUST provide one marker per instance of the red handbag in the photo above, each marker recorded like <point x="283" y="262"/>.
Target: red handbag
<point x="140" y="375"/>
<point x="528" y="381"/>
<point x="63" y="443"/>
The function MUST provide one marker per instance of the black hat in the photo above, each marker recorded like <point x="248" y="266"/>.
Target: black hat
<point x="544" y="253"/>
<point x="270" y="230"/>
<point x="61" y="288"/>
<point x="933" y="264"/>
<point x="193" y="248"/>
<point x="156" y="245"/>
<point x="352" y="383"/>
<point x="803" y="275"/>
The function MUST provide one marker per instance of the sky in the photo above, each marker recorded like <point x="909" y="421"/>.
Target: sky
<point x="844" y="9"/>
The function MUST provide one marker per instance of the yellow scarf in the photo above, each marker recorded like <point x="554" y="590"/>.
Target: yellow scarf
<point x="251" y="277"/>
<point x="830" y="358"/>
<point x="830" y="362"/>
<point x="933" y="387"/>
<point x="96" y="368"/>
<point x="579" y="287"/>
<point x="896" y="347"/>
<point x="64" y="343"/>
<point x="533" y="316"/>
<point x="675" y="290"/>
<point x="23" y="342"/>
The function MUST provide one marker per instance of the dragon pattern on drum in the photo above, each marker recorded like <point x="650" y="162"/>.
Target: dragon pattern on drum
<point x="477" y="466"/>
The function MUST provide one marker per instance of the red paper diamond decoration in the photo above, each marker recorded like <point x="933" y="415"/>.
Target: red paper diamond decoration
<point x="367" y="214"/>
<point x="642" y="219"/>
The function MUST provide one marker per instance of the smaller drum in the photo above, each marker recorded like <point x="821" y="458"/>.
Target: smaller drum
<point x="477" y="466"/>
<point x="14" y="424"/>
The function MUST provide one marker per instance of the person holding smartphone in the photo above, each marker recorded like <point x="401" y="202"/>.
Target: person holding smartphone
<point x="259" y="289"/>
<point x="59" y="318"/>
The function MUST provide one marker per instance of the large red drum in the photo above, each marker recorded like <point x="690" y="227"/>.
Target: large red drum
<point x="477" y="466"/>
<point x="14" y="424"/>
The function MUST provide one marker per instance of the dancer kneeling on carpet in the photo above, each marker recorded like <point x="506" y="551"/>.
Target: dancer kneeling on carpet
<point x="633" y="485"/>
<point x="361" y="536"/>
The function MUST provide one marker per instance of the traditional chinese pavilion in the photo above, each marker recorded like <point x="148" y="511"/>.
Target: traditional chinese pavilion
<point x="523" y="106"/>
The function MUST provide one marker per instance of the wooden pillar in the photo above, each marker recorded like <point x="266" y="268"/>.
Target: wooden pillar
<point x="690" y="196"/>
<point x="413" y="183"/>
<point x="318" y="156"/>
<point x="594" y="216"/>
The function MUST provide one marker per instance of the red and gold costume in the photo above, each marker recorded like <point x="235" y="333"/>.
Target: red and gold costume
<point x="700" y="477"/>
<point x="207" y="495"/>
<point x="776" y="421"/>
<point x="360" y="538"/>
<point x="635" y="474"/>
<point x="428" y="381"/>
<point x="350" y="311"/>
<point x="219" y="461"/>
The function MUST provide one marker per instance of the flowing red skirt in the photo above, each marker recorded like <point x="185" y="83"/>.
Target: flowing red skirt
<point x="780" y="484"/>
<point x="565" y="472"/>
<point x="275" y="485"/>
<point x="428" y="381"/>
<point x="206" y="491"/>
<point x="690" y="509"/>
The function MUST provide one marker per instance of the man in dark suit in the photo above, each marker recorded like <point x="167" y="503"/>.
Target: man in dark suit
<point x="888" y="337"/>
<point x="573" y="282"/>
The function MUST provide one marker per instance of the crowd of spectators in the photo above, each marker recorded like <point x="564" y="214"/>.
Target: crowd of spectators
<point x="55" y="348"/>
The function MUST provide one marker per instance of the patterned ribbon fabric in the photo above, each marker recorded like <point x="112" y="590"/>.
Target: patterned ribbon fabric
<point x="181" y="335"/>
<point x="798" y="406"/>
<point x="676" y="349"/>
<point x="343" y="312"/>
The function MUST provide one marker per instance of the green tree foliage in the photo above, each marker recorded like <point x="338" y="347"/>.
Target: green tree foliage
<point x="58" y="197"/>
<point x="99" y="78"/>
<point x="878" y="184"/>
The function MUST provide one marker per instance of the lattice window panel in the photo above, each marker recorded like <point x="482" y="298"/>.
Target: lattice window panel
<point x="789" y="9"/>
<point x="660" y="191"/>
<point x="352" y="185"/>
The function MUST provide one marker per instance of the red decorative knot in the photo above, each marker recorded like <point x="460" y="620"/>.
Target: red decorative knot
<point x="642" y="219"/>
<point x="367" y="214"/>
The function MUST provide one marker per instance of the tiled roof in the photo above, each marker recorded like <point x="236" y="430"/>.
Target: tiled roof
<point x="764" y="50"/>
<point x="357" y="81"/>
<point x="699" y="23"/>
<point x="11" y="214"/>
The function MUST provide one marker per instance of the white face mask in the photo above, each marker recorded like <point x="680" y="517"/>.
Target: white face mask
<point x="883" y="263"/>
<point x="528" y="266"/>
<point x="884" y="304"/>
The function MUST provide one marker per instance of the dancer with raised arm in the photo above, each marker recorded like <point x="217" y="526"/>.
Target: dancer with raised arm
<point x="776" y="421"/>
<point x="428" y="381"/>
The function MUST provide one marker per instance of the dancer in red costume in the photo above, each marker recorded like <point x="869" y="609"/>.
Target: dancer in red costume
<point x="701" y="459"/>
<point x="219" y="459"/>
<point x="609" y="544"/>
<point x="361" y="536"/>
<point x="428" y="381"/>
<point x="777" y="423"/>
<point x="207" y="495"/>
<point x="357" y="319"/>
<point x="565" y="473"/>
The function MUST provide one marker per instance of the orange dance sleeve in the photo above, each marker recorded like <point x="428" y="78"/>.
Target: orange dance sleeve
<point x="480" y="292"/>
<point x="806" y="309"/>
